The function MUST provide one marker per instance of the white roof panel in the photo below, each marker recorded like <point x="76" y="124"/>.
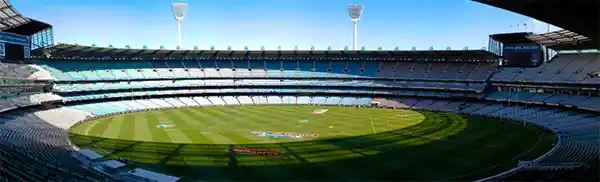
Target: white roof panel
<point x="10" y="17"/>
<point x="113" y="164"/>
<point x="558" y="37"/>
<point x="152" y="175"/>
<point x="90" y="154"/>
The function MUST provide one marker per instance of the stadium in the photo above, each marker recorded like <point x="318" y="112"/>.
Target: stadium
<point x="526" y="108"/>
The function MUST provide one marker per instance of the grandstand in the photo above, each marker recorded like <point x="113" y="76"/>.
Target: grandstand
<point x="63" y="86"/>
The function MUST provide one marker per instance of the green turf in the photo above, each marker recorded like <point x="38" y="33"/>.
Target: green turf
<point x="353" y="143"/>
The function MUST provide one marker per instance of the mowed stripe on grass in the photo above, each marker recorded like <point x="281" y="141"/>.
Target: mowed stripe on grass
<point x="158" y="134"/>
<point x="175" y="133"/>
<point x="141" y="130"/>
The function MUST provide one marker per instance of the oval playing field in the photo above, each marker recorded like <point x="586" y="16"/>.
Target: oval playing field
<point x="312" y="143"/>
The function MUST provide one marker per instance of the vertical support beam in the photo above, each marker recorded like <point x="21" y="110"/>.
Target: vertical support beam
<point x="355" y="42"/>
<point x="178" y="34"/>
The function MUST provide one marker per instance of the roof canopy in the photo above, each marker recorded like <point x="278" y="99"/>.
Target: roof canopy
<point x="515" y="38"/>
<point x="12" y="21"/>
<point x="30" y="28"/>
<point x="9" y="17"/>
<point x="579" y="16"/>
<point x="69" y="50"/>
<point x="564" y="40"/>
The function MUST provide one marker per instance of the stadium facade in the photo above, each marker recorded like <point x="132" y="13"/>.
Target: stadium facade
<point x="556" y="92"/>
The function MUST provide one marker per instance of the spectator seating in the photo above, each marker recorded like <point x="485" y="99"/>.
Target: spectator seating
<point x="23" y="71"/>
<point x="78" y="87"/>
<point x="580" y="147"/>
<point x="587" y="173"/>
<point x="136" y="93"/>
<point x="26" y="99"/>
<point x="64" y="70"/>
<point x="564" y="68"/>
<point x="33" y="149"/>
<point x="226" y="82"/>
<point x="584" y="102"/>
<point x="579" y="133"/>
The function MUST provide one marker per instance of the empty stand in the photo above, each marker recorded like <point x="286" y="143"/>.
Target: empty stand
<point x="563" y="68"/>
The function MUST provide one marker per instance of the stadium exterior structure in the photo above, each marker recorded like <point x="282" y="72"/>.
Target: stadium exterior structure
<point x="85" y="86"/>
<point x="87" y="82"/>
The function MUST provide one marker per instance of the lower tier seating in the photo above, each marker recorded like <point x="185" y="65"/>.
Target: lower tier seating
<point x="32" y="149"/>
<point x="584" y="102"/>
<point x="579" y="133"/>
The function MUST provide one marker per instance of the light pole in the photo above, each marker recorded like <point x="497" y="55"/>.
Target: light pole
<point x="355" y="11"/>
<point x="179" y="10"/>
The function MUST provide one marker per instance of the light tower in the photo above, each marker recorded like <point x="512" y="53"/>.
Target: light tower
<point x="355" y="11"/>
<point x="179" y="10"/>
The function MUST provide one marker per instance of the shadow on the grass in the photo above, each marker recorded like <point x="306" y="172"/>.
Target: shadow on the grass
<point x="441" y="147"/>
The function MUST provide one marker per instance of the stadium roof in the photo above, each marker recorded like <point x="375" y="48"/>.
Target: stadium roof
<point x="564" y="40"/>
<point x="9" y="17"/>
<point x="515" y="38"/>
<point x="580" y="16"/>
<point x="30" y="28"/>
<point x="70" y="50"/>
<point x="12" y="21"/>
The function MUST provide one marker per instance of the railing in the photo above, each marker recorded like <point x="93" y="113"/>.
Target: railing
<point x="296" y="48"/>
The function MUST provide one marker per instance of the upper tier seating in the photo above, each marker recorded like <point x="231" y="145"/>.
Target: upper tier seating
<point x="18" y="88"/>
<point x="139" y="93"/>
<point x="207" y="68"/>
<point x="564" y="68"/>
<point x="25" y="71"/>
<point x="125" y="85"/>
<point x="13" y="97"/>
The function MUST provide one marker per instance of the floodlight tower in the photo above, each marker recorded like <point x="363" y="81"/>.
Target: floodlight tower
<point x="179" y="10"/>
<point x="355" y="11"/>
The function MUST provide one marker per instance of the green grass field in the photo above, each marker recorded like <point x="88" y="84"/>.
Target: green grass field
<point x="353" y="143"/>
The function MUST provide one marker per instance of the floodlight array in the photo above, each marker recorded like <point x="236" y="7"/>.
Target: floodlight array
<point x="179" y="10"/>
<point x="355" y="11"/>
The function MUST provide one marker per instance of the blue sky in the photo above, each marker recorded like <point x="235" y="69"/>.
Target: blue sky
<point x="273" y="23"/>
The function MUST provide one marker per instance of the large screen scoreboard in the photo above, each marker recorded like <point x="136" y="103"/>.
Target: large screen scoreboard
<point x="522" y="55"/>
